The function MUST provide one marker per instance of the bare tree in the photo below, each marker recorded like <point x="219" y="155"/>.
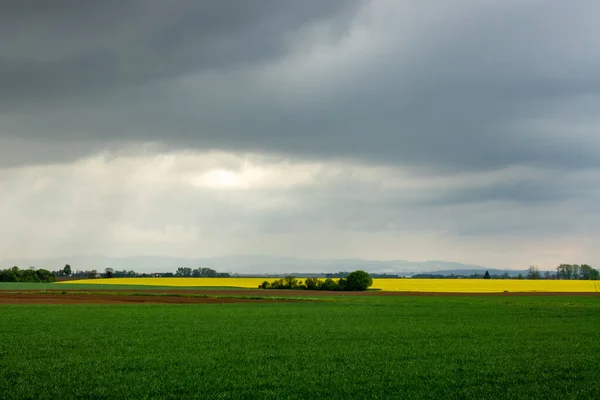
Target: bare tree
<point x="533" y="273"/>
<point x="547" y="275"/>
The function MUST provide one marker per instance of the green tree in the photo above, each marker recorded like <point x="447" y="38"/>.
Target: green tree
<point x="312" y="283"/>
<point x="109" y="272"/>
<point x="588" y="273"/>
<point x="13" y="275"/>
<point x="29" y="275"/>
<point x="486" y="275"/>
<point x="184" y="271"/>
<point x="328" y="284"/>
<point x="576" y="268"/>
<point x="8" y="275"/>
<point x="45" y="276"/>
<point x="358" y="281"/>
<point x="564" y="271"/>
<point x="67" y="270"/>
<point x="290" y="282"/>
<point x="208" y="273"/>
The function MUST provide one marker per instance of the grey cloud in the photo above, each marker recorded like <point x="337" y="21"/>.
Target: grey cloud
<point x="50" y="53"/>
<point x="523" y="192"/>
<point x="436" y="90"/>
<point x="445" y="90"/>
<point x="139" y="206"/>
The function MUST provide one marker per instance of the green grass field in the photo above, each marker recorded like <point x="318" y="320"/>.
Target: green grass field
<point x="375" y="347"/>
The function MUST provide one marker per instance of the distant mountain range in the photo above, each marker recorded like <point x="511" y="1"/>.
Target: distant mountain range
<point x="256" y="264"/>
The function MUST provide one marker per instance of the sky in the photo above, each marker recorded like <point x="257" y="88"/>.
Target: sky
<point x="463" y="131"/>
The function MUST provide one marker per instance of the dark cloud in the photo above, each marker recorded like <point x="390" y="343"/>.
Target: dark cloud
<point x="439" y="90"/>
<point x="67" y="48"/>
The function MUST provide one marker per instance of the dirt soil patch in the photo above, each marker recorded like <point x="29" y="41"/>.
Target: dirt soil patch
<point x="58" y="298"/>
<point x="122" y="295"/>
<point x="312" y="293"/>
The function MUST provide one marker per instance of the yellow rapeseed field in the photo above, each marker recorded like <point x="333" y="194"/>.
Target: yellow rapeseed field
<point x="484" y="285"/>
<point x="181" y="282"/>
<point x="407" y="285"/>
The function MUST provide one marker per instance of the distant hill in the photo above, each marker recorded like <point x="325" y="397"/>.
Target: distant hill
<point x="256" y="264"/>
<point x="467" y="272"/>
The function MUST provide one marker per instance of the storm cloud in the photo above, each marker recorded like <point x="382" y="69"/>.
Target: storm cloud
<point x="454" y="120"/>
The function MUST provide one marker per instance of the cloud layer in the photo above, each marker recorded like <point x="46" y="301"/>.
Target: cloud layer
<point x="465" y="130"/>
<point x="204" y="204"/>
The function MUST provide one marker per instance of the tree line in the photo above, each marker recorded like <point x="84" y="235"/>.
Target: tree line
<point x="575" y="271"/>
<point x="354" y="281"/>
<point x="200" y="273"/>
<point x="67" y="271"/>
<point x="181" y="272"/>
<point x="563" y="272"/>
<point x="15" y="274"/>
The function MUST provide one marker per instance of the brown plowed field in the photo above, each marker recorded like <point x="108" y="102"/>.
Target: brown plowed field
<point x="123" y="296"/>
<point x="308" y="293"/>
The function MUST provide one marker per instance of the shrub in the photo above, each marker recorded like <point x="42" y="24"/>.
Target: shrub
<point x="357" y="280"/>
<point x="312" y="283"/>
<point x="290" y="282"/>
<point x="329" y="284"/>
<point x="278" y="284"/>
